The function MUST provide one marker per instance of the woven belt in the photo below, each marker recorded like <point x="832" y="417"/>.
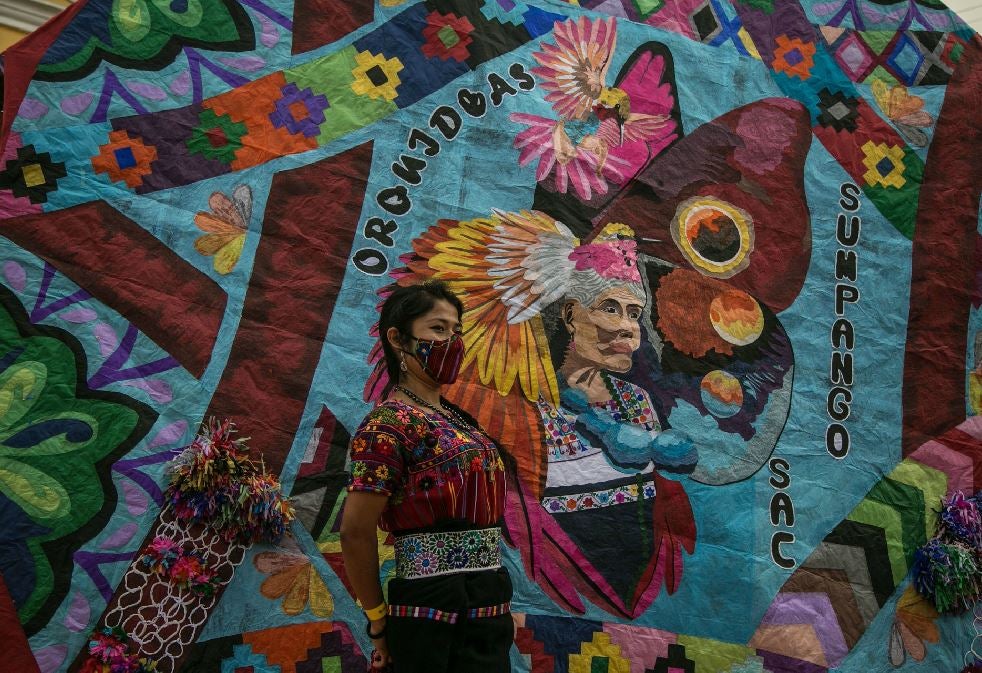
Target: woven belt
<point x="431" y="554"/>
<point x="448" y="617"/>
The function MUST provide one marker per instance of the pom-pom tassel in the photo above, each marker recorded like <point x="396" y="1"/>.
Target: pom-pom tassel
<point x="214" y="482"/>
<point x="960" y="520"/>
<point x="109" y="652"/>
<point x="948" y="574"/>
<point x="181" y="567"/>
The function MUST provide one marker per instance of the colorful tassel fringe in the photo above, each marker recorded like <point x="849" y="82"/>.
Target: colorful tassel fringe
<point x="109" y="652"/>
<point x="961" y="520"/>
<point x="213" y="481"/>
<point x="948" y="569"/>
<point x="186" y="569"/>
<point x="948" y="573"/>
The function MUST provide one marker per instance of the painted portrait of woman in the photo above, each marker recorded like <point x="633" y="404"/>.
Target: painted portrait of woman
<point x="554" y="331"/>
<point x="597" y="318"/>
<point x="606" y="442"/>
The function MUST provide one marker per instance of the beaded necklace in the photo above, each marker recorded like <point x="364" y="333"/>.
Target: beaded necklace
<point x="449" y="414"/>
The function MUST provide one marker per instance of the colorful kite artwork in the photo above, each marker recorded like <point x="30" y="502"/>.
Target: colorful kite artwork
<point x="721" y="266"/>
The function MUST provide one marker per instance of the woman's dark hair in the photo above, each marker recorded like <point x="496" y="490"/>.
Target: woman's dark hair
<point x="402" y="307"/>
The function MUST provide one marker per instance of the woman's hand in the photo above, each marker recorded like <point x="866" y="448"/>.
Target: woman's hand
<point x="381" y="660"/>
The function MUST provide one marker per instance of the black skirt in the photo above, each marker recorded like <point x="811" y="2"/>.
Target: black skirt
<point x="431" y="644"/>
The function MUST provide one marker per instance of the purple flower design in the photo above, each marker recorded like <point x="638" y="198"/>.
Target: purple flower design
<point x="425" y="563"/>
<point x="299" y="111"/>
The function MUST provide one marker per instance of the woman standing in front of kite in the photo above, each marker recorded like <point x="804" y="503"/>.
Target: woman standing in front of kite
<point x="422" y="469"/>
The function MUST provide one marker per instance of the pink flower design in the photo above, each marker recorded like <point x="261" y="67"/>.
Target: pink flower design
<point x="571" y="167"/>
<point x="611" y="259"/>
<point x="107" y="648"/>
<point x="184" y="569"/>
<point x="161" y="546"/>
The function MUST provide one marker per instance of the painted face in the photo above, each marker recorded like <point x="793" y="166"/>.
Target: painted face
<point x="608" y="331"/>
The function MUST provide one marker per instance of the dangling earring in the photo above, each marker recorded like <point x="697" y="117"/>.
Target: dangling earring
<point x="402" y="365"/>
<point x="572" y="342"/>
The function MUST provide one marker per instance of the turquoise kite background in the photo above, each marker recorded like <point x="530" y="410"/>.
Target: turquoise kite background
<point x="202" y="202"/>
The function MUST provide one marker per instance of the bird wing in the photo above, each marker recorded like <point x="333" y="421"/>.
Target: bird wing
<point x="574" y="69"/>
<point x="505" y="268"/>
<point x="645" y="127"/>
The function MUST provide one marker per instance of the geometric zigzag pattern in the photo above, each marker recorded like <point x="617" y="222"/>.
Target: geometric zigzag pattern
<point x="827" y="604"/>
<point x="312" y="647"/>
<point x="824" y="607"/>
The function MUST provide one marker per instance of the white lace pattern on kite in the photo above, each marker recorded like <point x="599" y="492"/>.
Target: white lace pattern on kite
<point x="162" y="627"/>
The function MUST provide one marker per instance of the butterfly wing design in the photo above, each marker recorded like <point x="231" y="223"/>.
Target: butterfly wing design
<point x="723" y="222"/>
<point x="654" y="123"/>
<point x="904" y="110"/>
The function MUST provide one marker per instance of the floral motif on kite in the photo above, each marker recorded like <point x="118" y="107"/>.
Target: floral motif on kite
<point x="32" y="175"/>
<point x="57" y="443"/>
<point x="447" y="36"/>
<point x="125" y="159"/>
<point x="794" y="57"/>
<point x="144" y="34"/>
<point x="216" y="137"/>
<point x="601" y="134"/>
<point x="905" y="110"/>
<point x="225" y="228"/>
<point x="292" y="578"/>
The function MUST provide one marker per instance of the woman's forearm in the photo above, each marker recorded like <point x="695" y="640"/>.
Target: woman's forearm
<point x="359" y="549"/>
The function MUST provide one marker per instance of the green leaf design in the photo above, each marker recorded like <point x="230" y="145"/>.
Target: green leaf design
<point x="18" y="388"/>
<point x="39" y="495"/>
<point x="132" y="18"/>
<point x="145" y="35"/>
<point x="58" y="441"/>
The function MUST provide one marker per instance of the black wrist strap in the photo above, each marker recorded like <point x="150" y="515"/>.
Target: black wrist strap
<point x="375" y="636"/>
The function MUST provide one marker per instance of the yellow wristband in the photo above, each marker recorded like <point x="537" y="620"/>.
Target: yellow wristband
<point x="377" y="612"/>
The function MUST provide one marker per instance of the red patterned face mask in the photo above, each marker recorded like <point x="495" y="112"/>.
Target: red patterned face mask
<point x="441" y="359"/>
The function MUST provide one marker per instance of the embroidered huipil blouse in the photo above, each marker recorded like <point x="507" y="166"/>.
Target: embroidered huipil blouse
<point x="431" y="470"/>
<point x="580" y="476"/>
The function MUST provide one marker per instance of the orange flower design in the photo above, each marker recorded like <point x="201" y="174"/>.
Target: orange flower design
<point x="225" y="228"/>
<point x="913" y="628"/>
<point x="794" y="57"/>
<point x="293" y="579"/>
<point x="125" y="159"/>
